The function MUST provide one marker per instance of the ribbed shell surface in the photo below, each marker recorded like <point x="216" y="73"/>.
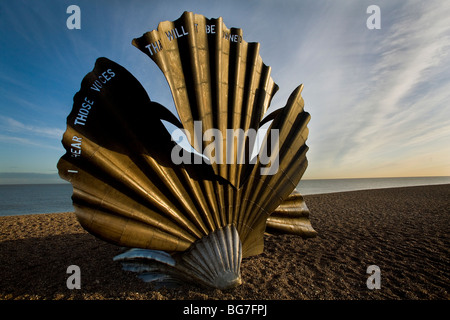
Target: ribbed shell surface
<point x="127" y="189"/>
<point x="216" y="77"/>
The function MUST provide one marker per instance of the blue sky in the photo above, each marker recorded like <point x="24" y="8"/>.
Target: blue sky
<point x="379" y="99"/>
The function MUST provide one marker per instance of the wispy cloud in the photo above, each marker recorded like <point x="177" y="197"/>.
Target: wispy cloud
<point x="417" y="44"/>
<point x="14" y="127"/>
<point x="27" y="142"/>
<point x="398" y="104"/>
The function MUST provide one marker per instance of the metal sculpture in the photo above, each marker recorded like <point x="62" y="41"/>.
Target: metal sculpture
<point x="195" y="220"/>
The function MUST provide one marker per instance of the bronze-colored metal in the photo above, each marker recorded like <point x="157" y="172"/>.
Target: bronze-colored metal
<point x="291" y="217"/>
<point x="128" y="190"/>
<point x="215" y="77"/>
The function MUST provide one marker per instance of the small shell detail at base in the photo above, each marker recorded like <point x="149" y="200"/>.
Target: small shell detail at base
<point x="213" y="261"/>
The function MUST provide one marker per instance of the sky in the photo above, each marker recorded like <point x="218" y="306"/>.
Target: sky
<point x="378" y="98"/>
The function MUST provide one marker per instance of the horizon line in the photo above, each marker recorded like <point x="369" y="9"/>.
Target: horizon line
<point x="58" y="180"/>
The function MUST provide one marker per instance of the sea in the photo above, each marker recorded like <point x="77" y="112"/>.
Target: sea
<point x="19" y="199"/>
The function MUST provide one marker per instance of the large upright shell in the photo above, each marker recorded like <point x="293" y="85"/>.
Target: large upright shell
<point x="128" y="190"/>
<point x="216" y="77"/>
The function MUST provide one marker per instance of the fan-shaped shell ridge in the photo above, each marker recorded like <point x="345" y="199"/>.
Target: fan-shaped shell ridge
<point x="129" y="190"/>
<point x="216" y="78"/>
<point x="292" y="217"/>
<point x="120" y="172"/>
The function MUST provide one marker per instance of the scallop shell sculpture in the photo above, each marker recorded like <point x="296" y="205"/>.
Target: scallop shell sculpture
<point x="196" y="219"/>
